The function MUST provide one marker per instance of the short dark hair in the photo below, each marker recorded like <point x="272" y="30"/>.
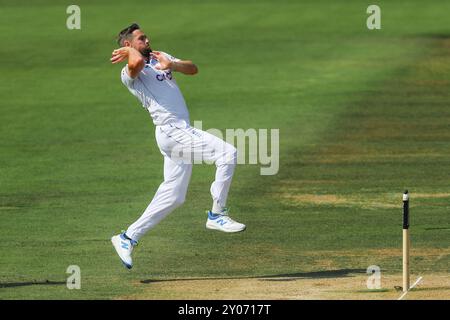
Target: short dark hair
<point x="125" y="34"/>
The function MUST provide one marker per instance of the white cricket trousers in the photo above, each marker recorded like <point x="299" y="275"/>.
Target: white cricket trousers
<point x="182" y="146"/>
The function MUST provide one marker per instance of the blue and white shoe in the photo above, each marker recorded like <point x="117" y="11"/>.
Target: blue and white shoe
<point x="222" y="222"/>
<point x="124" y="247"/>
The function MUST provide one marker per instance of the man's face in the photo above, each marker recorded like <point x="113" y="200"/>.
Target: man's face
<point x="141" y="43"/>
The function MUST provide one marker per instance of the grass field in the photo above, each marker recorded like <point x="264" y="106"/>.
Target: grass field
<point x="362" y="115"/>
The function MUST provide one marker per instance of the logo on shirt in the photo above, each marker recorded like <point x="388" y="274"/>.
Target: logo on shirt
<point x="167" y="75"/>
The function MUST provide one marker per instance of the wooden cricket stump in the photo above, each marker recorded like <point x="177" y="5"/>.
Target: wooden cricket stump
<point x="406" y="242"/>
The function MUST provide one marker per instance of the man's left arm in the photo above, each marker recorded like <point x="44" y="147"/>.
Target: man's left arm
<point x="183" y="66"/>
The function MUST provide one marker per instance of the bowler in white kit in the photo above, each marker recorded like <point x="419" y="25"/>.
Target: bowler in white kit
<point x="149" y="76"/>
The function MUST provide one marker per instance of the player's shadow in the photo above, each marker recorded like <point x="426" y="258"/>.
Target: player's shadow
<point x="340" y="273"/>
<point x="31" y="283"/>
<point x="438" y="36"/>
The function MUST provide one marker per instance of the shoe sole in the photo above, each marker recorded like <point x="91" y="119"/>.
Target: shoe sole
<point x="128" y="266"/>
<point x="213" y="227"/>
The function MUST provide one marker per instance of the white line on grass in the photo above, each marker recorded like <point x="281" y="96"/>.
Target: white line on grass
<point x="415" y="283"/>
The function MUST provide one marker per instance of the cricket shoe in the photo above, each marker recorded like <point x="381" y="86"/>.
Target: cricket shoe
<point x="222" y="222"/>
<point x="124" y="247"/>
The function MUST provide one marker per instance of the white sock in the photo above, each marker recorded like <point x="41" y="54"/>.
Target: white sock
<point x="216" y="208"/>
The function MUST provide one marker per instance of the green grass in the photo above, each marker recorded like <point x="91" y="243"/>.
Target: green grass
<point x="362" y="115"/>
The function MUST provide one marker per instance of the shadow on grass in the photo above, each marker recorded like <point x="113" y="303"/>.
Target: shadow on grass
<point x="31" y="283"/>
<point x="439" y="36"/>
<point x="341" y="273"/>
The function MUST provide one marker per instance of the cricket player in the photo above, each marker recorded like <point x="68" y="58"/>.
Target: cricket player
<point x="149" y="76"/>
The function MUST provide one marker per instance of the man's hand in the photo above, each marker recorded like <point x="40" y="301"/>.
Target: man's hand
<point x="164" y="62"/>
<point x="183" y="66"/>
<point x="135" y="60"/>
<point x="120" y="54"/>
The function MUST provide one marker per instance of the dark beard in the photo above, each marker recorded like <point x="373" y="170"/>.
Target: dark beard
<point x="146" y="53"/>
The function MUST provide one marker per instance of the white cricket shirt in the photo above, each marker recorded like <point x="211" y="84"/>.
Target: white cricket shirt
<point x="158" y="92"/>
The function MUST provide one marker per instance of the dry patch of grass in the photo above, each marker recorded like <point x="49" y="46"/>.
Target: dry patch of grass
<point x="317" y="198"/>
<point x="331" y="284"/>
<point x="431" y="195"/>
<point x="386" y="252"/>
<point x="338" y="200"/>
<point x="432" y="82"/>
<point x="372" y="201"/>
<point x="433" y="286"/>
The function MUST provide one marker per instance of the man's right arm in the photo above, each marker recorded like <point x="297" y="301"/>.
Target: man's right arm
<point x="135" y="60"/>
